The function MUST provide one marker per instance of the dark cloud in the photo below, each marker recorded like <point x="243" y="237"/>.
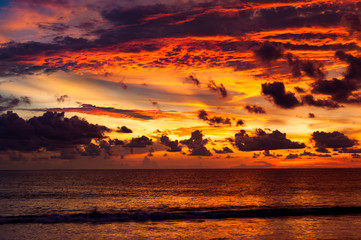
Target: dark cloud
<point x="123" y="129"/>
<point x="196" y="144"/>
<point x="310" y="68"/>
<point x="342" y="90"/>
<point x="306" y="153"/>
<point x="265" y="141"/>
<point x="268" y="52"/>
<point x="173" y="145"/>
<point x="300" y="90"/>
<point x="277" y="92"/>
<point x="193" y="79"/>
<point x="240" y="122"/>
<point x="255" y="109"/>
<point x="224" y="150"/>
<point x="7" y="103"/>
<point x="339" y="90"/>
<point x="51" y="131"/>
<point x="352" y="21"/>
<point x="91" y="150"/>
<point x="139" y="142"/>
<point x="323" y="103"/>
<point x="292" y="156"/>
<point x="355" y="155"/>
<point x="348" y="150"/>
<point x="214" y="121"/>
<point x="55" y="27"/>
<point x="88" y="108"/>
<point x="324" y="140"/>
<point x="267" y="153"/>
<point x="128" y="25"/>
<point x="62" y="98"/>
<point x="220" y="89"/>
<point x="311" y="115"/>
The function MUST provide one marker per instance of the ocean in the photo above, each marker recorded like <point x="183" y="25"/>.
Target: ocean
<point x="181" y="204"/>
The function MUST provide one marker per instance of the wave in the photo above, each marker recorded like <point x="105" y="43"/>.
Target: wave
<point x="99" y="217"/>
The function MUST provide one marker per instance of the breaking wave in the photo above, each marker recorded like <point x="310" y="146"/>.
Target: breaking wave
<point x="99" y="217"/>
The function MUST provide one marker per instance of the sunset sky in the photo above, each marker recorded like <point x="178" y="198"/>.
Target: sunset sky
<point x="180" y="84"/>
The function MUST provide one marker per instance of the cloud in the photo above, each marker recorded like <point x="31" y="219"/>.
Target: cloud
<point x="240" y="122"/>
<point x="62" y="98"/>
<point x="55" y="27"/>
<point x="342" y="90"/>
<point x="91" y="150"/>
<point x="123" y="129"/>
<point x="268" y="52"/>
<point x="352" y="21"/>
<point x="277" y="92"/>
<point x="214" y="121"/>
<point x="292" y="156"/>
<point x="323" y="103"/>
<point x="311" y="115"/>
<point x="255" y="109"/>
<point x="311" y="69"/>
<point x="7" y="103"/>
<point x="324" y="140"/>
<point x="306" y="153"/>
<point x="196" y="144"/>
<point x="139" y="142"/>
<point x="224" y="150"/>
<point x="193" y="79"/>
<point x="220" y="89"/>
<point x="265" y="141"/>
<point x="173" y="145"/>
<point x="51" y="131"/>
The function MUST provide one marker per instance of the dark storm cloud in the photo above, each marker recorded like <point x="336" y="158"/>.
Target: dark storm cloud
<point x="223" y="151"/>
<point x="139" y="142"/>
<point x="280" y="97"/>
<point x="173" y="145"/>
<point x="323" y="103"/>
<point x="218" y="88"/>
<point x="265" y="141"/>
<point x="123" y="129"/>
<point x="268" y="52"/>
<point x="324" y="140"/>
<point x="52" y="131"/>
<point x="7" y="103"/>
<point x="310" y="68"/>
<point x="196" y="144"/>
<point x="311" y="115"/>
<point x="214" y="121"/>
<point x="255" y="109"/>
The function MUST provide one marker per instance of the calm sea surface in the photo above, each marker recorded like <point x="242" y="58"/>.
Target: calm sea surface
<point x="181" y="204"/>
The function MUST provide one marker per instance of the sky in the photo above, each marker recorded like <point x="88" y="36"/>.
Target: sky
<point x="180" y="84"/>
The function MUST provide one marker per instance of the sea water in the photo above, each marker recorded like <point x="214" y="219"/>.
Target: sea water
<point x="181" y="204"/>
